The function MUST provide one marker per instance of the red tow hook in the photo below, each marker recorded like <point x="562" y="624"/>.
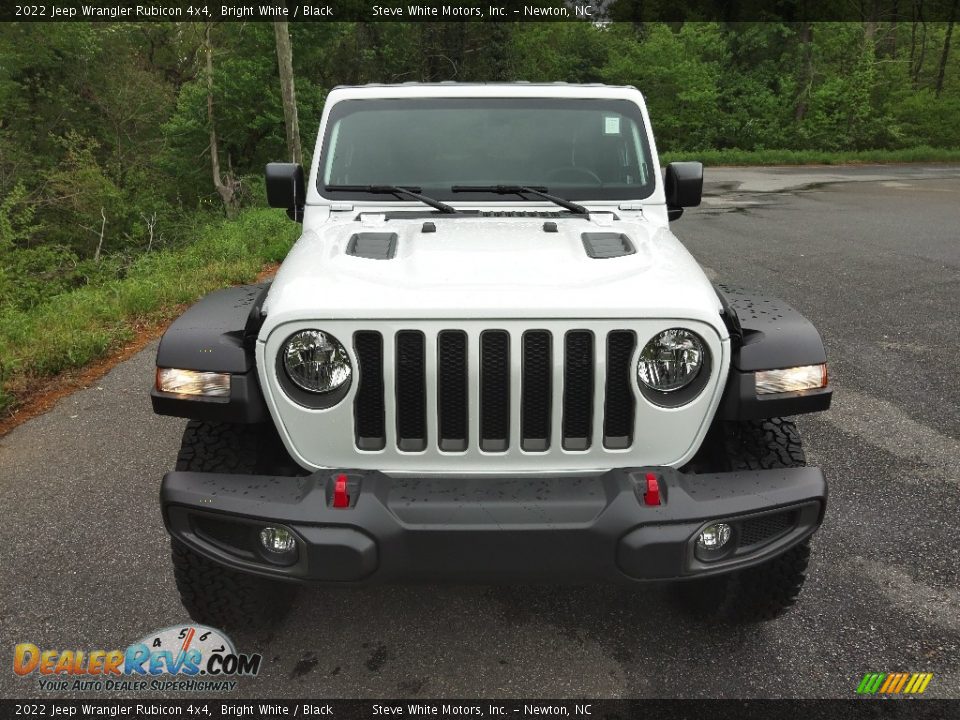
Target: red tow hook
<point x="340" y="497"/>
<point x="652" y="495"/>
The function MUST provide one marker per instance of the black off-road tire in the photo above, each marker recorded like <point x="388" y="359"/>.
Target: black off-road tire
<point x="756" y="594"/>
<point x="223" y="598"/>
<point x="765" y="591"/>
<point x="212" y="593"/>
<point x="239" y="449"/>
<point x="761" y="445"/>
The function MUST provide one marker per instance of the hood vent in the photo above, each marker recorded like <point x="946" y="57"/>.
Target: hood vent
<point x="604" y="245"/>
<point x="373" y="246"/>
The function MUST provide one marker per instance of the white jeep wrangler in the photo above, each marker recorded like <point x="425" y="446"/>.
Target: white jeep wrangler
<point x="488" y="359"/>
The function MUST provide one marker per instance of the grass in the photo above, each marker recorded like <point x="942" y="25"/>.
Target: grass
<point x="813" y="157"/>
<point x="75" y="328"/>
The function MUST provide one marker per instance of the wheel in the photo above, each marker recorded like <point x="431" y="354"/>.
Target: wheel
<point x="765" y="591"/>
<point x="213" y="594"/>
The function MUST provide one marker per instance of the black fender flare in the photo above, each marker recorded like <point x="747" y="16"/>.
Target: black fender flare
<point x="217" y="334"/>
<point x="767" y="334"/>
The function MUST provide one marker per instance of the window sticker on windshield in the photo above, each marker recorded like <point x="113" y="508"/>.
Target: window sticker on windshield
<point x="611" y="125"/>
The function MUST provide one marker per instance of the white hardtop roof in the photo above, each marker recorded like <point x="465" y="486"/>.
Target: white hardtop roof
<point x="454" y="89"/>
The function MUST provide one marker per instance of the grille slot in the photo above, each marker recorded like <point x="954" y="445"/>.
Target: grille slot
<point x="411" y="391"/>
<point x="494" y="390"/>
<point x="536" y="389"/>
<point x="619" y="402"/>
<point x="368" y="411"/>
<point x="754" y="531"/>
<point x="452" y="403"/>
<point x="578" y="390"/>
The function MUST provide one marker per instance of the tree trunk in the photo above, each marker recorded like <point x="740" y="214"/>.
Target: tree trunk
<point x="426" y="52"/>
<point x="913" y="42"/>
<point x="358" y="67"/>
<point x="151" y="225"/>
<point x="918" y="67"/>
<point x="436" y="64"/>
<point x="103" y="230"/>
<point x="226" y="186"/>
<point x="946" y="47"/>
<point x="806" y="39"/>
<point x="285" y="60"/>
<point x="496" y="47"/>
<point x="894" y="30"/>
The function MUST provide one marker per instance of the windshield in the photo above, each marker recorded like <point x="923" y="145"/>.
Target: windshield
<point x="579" y="149"/>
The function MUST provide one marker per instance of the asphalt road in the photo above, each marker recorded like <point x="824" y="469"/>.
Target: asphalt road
<point x="871" y="255"/>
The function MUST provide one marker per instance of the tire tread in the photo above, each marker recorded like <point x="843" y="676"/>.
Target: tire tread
<point x="220" y="597"/>
<point x="214" y="594"/>
<point x="762" y="592"/>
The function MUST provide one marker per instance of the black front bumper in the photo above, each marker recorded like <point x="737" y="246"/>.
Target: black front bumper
<point x="557" y="529"/>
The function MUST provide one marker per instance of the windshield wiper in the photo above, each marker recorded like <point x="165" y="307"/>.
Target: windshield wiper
<point x="522" y="190"/>
<point x="413" y="192"/>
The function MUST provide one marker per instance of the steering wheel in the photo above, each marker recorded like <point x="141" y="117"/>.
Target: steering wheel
<point x="564" y="172"/>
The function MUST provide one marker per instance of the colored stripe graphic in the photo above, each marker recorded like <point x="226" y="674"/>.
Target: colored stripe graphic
<point x="870" y="683"/>
<point x="922" y="685"/>
<point x="889" y="682"/>
<point x="894" y="683"/>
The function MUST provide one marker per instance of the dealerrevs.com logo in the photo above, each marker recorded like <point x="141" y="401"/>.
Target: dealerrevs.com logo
<point x="184" y="658"/>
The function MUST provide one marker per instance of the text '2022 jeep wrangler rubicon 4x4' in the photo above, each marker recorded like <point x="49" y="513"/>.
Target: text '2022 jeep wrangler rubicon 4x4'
<point x="488" y="359"/>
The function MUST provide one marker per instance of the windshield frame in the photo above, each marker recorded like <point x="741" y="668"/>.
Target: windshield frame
<point x="585" y="193"/>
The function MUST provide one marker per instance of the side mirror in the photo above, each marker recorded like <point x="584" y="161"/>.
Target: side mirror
<point x="286" y="188"/>
<point x="683" y="184"/>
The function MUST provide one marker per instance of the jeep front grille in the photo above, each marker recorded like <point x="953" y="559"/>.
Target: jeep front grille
<point x="547" y="373"/>
<point x="491" y="397"/>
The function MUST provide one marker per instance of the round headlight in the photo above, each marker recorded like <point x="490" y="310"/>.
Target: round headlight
<point x="671" y="360"/>
<point x="315" y="361"/>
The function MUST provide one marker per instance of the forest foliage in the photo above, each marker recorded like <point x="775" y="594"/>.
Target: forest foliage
<point x="105" y="143"/>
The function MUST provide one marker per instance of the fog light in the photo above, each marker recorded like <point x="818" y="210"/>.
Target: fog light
<point x="277" y="540"/>
<point x="714" y="536"/>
